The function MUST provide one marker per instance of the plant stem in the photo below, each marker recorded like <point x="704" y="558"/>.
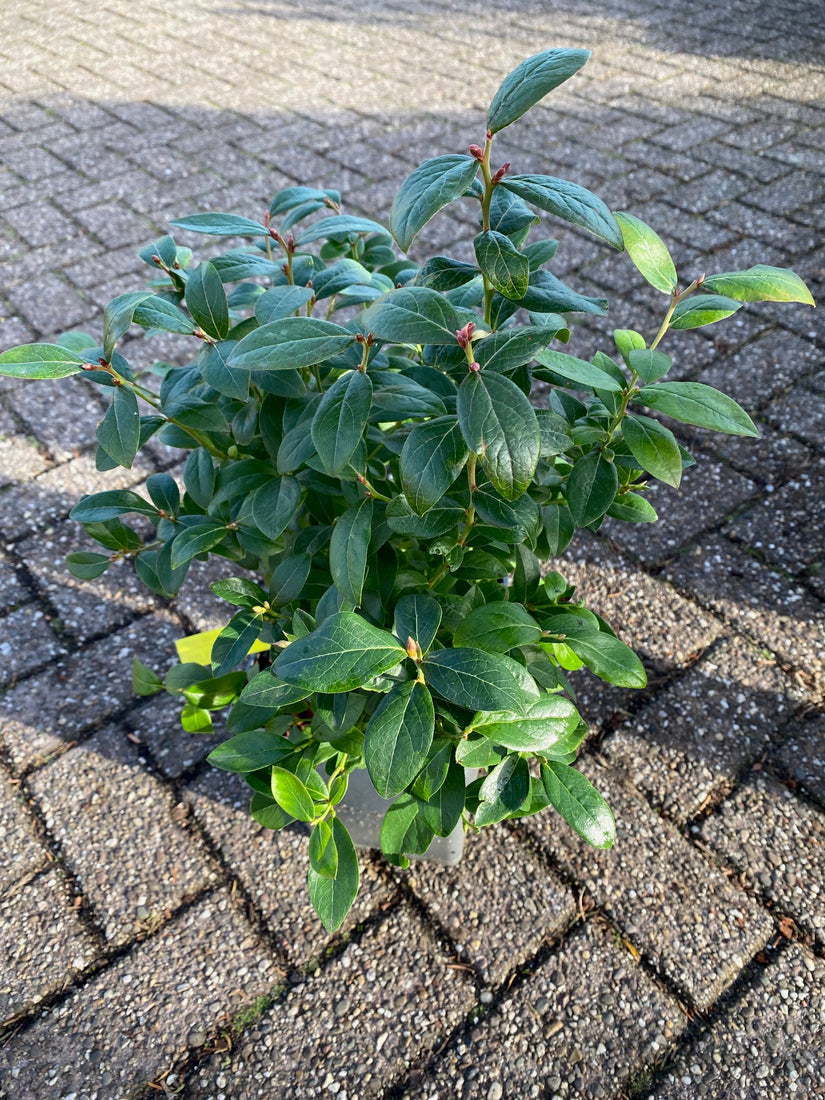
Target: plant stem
<point x="489" y="187"/>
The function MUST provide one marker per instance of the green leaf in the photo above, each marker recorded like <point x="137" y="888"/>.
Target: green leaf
<point x="497" y="628"/>
<point x="221" y="225"/>
<point x="761" y="283"/>
<point x="281" y="301"/>
<point x="215" y="693"/>
<point x="398" y="737"/>
<point x="569" y="201"/>
<point x="648" y="252"/>
<point x="701" y="310"/>
<point x="433" y="455"/>
<point x="579" y="803"/>
<point x="117" y="317"/>
<point x="547" y="294"/>
<point x="289" y="578"/>
<point x="649" y="365"/>
<point x="260" y="700"/>
<point x="504" y="266"/>
<point x="343" y="653"/>
<point x="504" y="791"/>
<point x="272" y="506"/>
<point x="195" y="719"/>
<point x="239" y="591"/>
<point x="199" y="477"/>
<point x="207" y="302"/>
<point x="605" y="655"/>
<point x="429" y="188"/>
<point x="323" y="855"/>
<point x="40" y="361"/>
<point x="558" y="527"/>
<point x="474" y="679"/>
<point x="267" y="812"/>
<point x="513" y="347"/>
<point x="439" y="520"/>
<point x="119" y="431"/>
<point x="348" y="550"/>
<point x="581" y="372"/>
<point x="291" y="795"/>
<point x="555" y="433"/>
<point x="86" y="565"/>
<point x="195" y="539"/>
<point x="530" y="82"/>
<point x="632" y="508"/>
<point x="235" y="640"/>
<point x="499" y="424"/>
<point x="340" y="419"/>
<point x="164" y="492"/>
<point x="99" y="507"/>
<point x="432" y="776"/>
<point x="340" y="226"/>
<point x="412" y="315"/>
<point x="144" y="680"/>
<point x="332" y="898"/>
<point x="591" y="488"/>
<point x="442" y="811"/>
<point x="442" y="274"/>
<point x="654" y="447"/>
<point x="156" y="312"/>
<point x="543" y="725"/>
<point x="250" y="751"/>
<point x="417" y="617"/>
<point x="696" y="403"/>
<point x="289" y="344"/>
<point x="405" y="830"/>
<point x="627" y="341"/>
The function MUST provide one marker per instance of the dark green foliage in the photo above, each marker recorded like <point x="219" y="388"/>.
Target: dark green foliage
<point x="388" y="483"/>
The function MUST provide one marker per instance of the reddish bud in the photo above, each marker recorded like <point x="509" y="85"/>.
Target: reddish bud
<point x="475" y="367"/>
<point x="499" y="175"/>
<point x="156" y="259"/>
<point x="701" y="279"/>
<point x="477" y="152"/>
<point x="489" y="135"/>
<point x="465" y="335"/>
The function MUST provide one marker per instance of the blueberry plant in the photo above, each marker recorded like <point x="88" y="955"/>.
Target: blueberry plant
<point x="361" y="443"/>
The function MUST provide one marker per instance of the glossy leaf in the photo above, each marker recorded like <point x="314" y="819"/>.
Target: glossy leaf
<point x="542" y="726"/>
<point x="432" y="458"/>
<point x="340" y="226"/>
<point x="234" y="641"/>
<point x="405" y="831"/>
<point x="289" y="344"/>
<point x="340" y="420"/>
<point x="117" y="318"/>
<point x="648" y="252"/>
<point x="100" y="507"/>
<point x="323" y="855"/>
<point x="272" y="506"/>
<point x="654" y="447"/>
<point x="591" y="487"/>
<point x="280" y="301"/>
<point x="531" y="81"/>
<point x="247" y="752"/>
<point x="605" y="655"/>
<point x="474" y="679"/>
<point x="398" y="737"/>
<point x="291" y="795"/>
<point x="698" y="404"/>
<point x="431" y="186"/>
<point x="118" y="433"/>
<point x="499" y="424"/>
<point x="760" y="283"/>
<point x="701" y="310"/>
<point x="417" y="617"/>
<point x="40" y="361"/>
<point x="547" y="294"/>
<point x="343" y="653"/>
<point x="512" y="347"/>
<point x="497" y="628"/>
<point x="504" y="791"/>
<point x="569" y="201"/>
<point x="206" y="301"/>
<point x="155" y="312"/>
<point x="412" y="315"/>
<point x="348" y="550"/>
<point x="579" y="371"/>
<point x="442" y="274"/>
<point x="221" y="225"/>
<point x="649" y="365"/>
<point x="579" y="803"/>
<point x="144" y="680"/>
<point x="332" y="898"/>
<point x="502" y="263"/>
<point x="196" y="539"/>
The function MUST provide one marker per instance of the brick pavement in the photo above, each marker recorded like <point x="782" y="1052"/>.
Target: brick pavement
<point x="154" y="941"/>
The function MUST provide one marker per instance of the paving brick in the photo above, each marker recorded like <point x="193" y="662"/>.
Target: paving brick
<point x="577" y="1026"/>
<point x="769" y="1044"/>
<point x="87" y="609"/>
<point x="498" y="904"/>
<point x="21" y="456"/>
<point x="763" y="369"/>
<point x="49" y="304"/>
<point x="788" y="529"/>
<point x="801" y="756"/>
<point x="42" y="715"/>
<point x="135" y="869"/>
<point x="133" y="1021"/>
<point x="683" y="916"/>
<point x="777" y="842"/>
<point x="388" y="1000"/>
<point x="42" y="941"/>
<point x="757" y="601"/>
<point x="770" y="461"/>
<point x="62" y="416"/>
<point x="23" y="852"/>
<point x="156" y="725"/>
<point x="692" y="740"/>
<point x="13" y="591"/>
<point x="272" y="866"/>
<point x="27" y="643"/>
<point x="801" y="412"/>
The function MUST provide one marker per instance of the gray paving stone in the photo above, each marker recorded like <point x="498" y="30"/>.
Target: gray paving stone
<point x="498" y="904"/>
<point x="578" y="1025"/>
<point x="390" y="998"/>
<point x="272" y="866"/>
<point x="770" y="461"/>
<point x="133" y="1021"/>
<point x="709" y="492"/>
<point x="13" y="592"/>
<point x="777" y="842"/>
<point x="23" y="853"/>
<point x="762" y="370"/>
<point x="681" y="914"/>
<point x="788" y="529"/>
<point x="61" y="416"/>
<point x="133" y="869"/>
<point x="21" y="456"/>
<point x="27" y="643"/>
<point x="47" y="712"/>
<point x="692" y="740"/>
<point x="757" y="601"/>
<point x="156" y="725"/>
<point x="801" y="756"/>
<point x="43" y="944"/>
<point x="802" y="413"/>
<point x="770" y="1043"/>
<point x="86" y="608"/>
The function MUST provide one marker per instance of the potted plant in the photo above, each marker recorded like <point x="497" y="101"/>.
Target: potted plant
<point x="361" y="443"/>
